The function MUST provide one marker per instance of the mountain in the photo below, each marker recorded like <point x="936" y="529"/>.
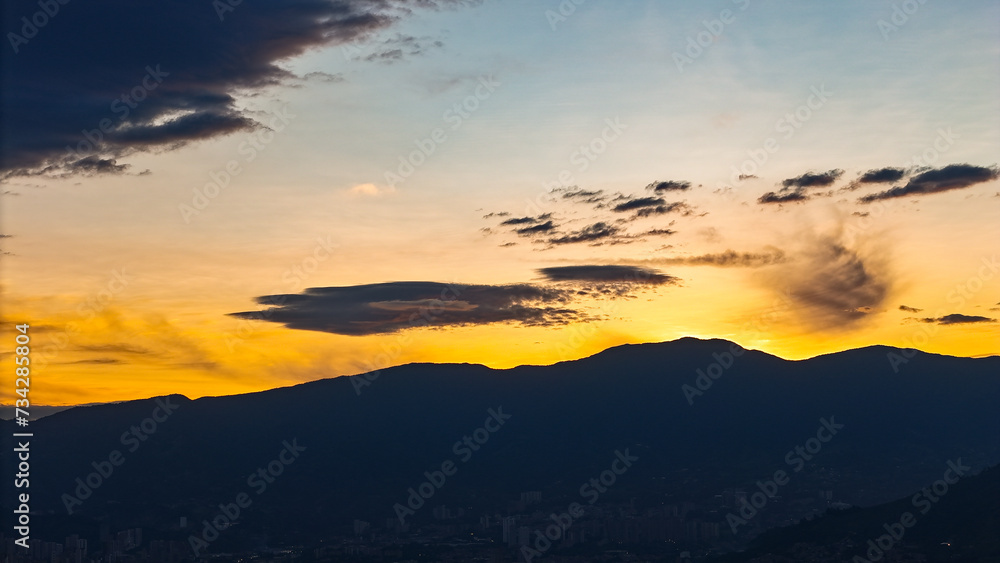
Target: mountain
<point x="351" y="447"/>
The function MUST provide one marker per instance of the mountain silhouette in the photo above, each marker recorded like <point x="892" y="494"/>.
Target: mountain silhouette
<point x="367" y="439"/>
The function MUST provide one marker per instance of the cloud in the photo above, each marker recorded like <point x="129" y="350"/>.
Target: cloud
<point x="96" y="361"/>
<point x="371" y="190"/>
<point x="326" y="77"/>
<point x="882" y="176"/>
<point x="390" y="307"/>
<point x="794" y="189"/>
<point x="658" y="233"/>
<point x="115" y="348"/>
<point x="388" y="56"/>
<point x="633" y="203"/>
<point x="650" y="206"/>
<point x="93" y="165"/>
<point x="527" y="220"/>
<point x="726" y="259"/>
<point x="111" y="78"/>
<point x="909" y="309"/>
<point x="592" y="233"/>
<point x="578" y="195"/>
<point x="668" y="186"/>
<point x="831" y="285"/>
<point x="811" y="180"/>
<point x="773" y="197"/>
<point x="957" y="319"/>
<point x="935" y="180"/>
<point x="676" y="207"/>
<point x="397" y="48"/>
<point x="607" y="274"/>
<point x="542" y="228"/>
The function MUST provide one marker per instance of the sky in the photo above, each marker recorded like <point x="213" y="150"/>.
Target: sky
<point x="209" y="198"/>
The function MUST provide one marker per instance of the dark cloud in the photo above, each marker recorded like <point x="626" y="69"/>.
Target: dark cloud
<point x="633" y="203"/>
<point x="951" y="177"/>
<point x="779" y="197"/>
<point x="520" y="221"/>
<point x="649" y="206"/>
<point x="134" y="76"/>
<point x="93" y="165"/>
<point x="669" y="186"/>
<point x="727" y="259"/>
<point x="607" y="274"/>
<point x="882" y="176"/>
<point x="813" y="180"/>
<point x="582" y="196"/>
<point x="542" y="228"/>
<point x="595" y="233"/>
<point x="391" y="307"/>
<point x="957" y="319"/>
<point x="909" y="309"/>
<point x="659" y="233"/>
<point x="676" y="207"/>
<point x="831" y="285"/>
<point x="527" y="220"/>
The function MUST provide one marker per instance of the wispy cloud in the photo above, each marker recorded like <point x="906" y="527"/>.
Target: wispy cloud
<point x="832" y="285"/>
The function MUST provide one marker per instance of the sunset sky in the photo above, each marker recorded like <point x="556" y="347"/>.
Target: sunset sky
<point x="497" y="182"/>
